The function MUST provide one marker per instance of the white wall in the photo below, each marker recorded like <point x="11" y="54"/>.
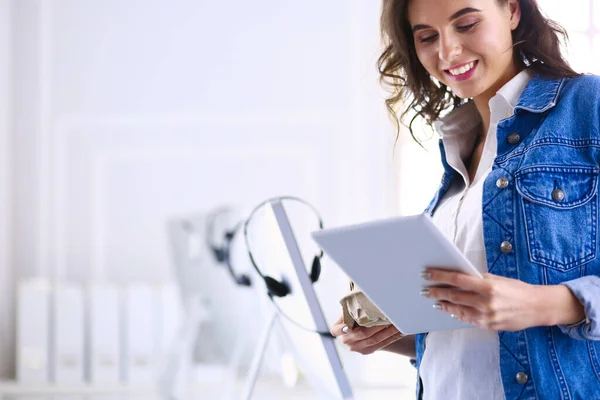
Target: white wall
<point x="128" y="112"/>
<point x="190" y="102"/>
<point x="6" y="287"/>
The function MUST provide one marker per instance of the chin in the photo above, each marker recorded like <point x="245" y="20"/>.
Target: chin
<point x="468" y="92"/>
<point x="464" y="94"/>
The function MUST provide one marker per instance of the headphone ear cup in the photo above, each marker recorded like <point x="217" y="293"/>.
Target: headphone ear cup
<point x="220" y="254"/>
<point x="315" y="271"/>
<point x="229" y="235"/>
<point x="244" y="280"/>
<point x="276" y="288"/>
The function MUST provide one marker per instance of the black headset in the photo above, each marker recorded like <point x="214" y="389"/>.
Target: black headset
<point x="219" y="253"/>
<point x="281" y="288"/>
<point x="277" y="288"/>
<point x="223" y="254"/>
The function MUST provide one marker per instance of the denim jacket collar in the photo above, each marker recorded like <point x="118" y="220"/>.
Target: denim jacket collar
<point x="540" y="94"/>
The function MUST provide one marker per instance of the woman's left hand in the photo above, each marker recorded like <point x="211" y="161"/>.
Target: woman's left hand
<point x="494" y="302"/>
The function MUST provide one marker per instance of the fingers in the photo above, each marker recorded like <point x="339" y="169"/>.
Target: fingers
<point x="371" y="349"/>
<point x="451" y="295"/>
<point x="365" y="340"/>
<point x="376" y="342"/>
<point x="453" y="278"/>
<point x="338" y="327"/>
<point x="381" y="336"/>
<point x="357" y="333"/>
<point x="362" y="338"/>
<point x="463" y="313"/>
<point x="360" y="333"/>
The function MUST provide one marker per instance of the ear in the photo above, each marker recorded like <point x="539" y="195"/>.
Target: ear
<point x="515" y="13"/>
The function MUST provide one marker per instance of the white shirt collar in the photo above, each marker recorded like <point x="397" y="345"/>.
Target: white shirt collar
<point x="512" y="90"/>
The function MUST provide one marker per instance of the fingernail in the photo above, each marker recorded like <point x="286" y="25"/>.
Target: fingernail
<point x="425" y="275"/>
<point x="424" y="292"/>
<point x="345" y="329"/>
<point x="454" y="316"/>
<point x="437" y="305"/>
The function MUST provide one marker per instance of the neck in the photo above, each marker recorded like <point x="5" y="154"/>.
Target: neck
<point x="483" y="108"/>
<point x="482" y="102"/>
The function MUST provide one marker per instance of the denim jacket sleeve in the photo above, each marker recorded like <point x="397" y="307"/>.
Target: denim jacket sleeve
<point x="587" y="291"/>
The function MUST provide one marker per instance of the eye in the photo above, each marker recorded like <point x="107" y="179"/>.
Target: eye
<point x="428" y="39"/>
<point x="466" y="28"/>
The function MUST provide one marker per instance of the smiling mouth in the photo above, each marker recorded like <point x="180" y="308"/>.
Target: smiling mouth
<point x="462" y="69"/>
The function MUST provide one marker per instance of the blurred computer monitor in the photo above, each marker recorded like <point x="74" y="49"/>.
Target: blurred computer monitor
<point x="281" y="245"/>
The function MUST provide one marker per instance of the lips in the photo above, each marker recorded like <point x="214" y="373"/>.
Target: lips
<point x="461" y="72"/>
<point x="460" y="69"/>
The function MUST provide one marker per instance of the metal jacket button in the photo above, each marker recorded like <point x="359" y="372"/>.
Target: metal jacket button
<point x="514" y="138"/>
<point x="558" y="195"/>
<point x="522" y="378"/>
<point x="506" y="247"/>
<point x="502" y="183"/>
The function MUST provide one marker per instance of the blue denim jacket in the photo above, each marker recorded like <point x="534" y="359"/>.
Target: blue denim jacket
<point x="549" y="150"/>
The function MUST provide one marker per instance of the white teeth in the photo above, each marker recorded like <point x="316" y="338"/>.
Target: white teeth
<point x="463" y="69"/>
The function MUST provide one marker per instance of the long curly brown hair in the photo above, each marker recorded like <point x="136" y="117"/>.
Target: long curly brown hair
<point x="536" y="44"/>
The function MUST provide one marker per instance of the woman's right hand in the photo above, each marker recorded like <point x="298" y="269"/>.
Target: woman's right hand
<point x="365" y="340"/>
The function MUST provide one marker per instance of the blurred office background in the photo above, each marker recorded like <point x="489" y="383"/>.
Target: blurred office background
<point x="118" y="117"/>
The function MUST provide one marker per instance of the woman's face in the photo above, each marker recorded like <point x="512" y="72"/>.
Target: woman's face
<point x="466" y="44"/>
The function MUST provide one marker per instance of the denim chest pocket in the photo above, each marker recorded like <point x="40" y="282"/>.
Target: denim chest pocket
<point x="560" y="207"/>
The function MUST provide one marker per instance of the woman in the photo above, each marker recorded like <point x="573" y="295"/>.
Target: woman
<point x="519" y="196"/>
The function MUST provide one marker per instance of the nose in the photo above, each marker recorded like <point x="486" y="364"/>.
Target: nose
<point x="450" y="48"/>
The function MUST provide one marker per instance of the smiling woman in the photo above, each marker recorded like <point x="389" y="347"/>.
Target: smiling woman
<point x="406" y="63"/>
<point x="519" y="131"/>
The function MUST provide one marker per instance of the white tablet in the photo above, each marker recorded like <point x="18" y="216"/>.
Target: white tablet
<point x="385" y="259"/>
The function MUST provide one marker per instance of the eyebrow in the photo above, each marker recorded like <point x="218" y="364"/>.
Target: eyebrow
<point x="459" y="13"/>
